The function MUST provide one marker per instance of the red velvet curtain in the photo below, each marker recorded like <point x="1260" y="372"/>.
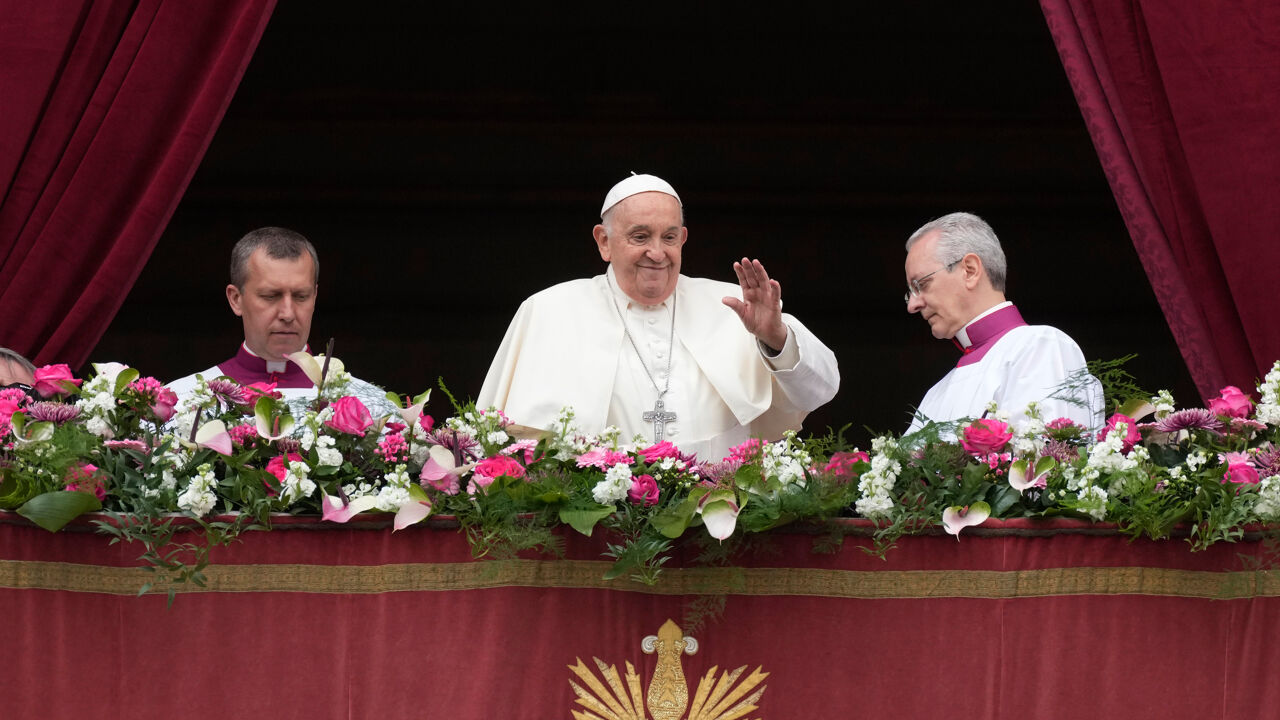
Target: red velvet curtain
<point x="1183" y="101"/>
<point x="106" y="108"/>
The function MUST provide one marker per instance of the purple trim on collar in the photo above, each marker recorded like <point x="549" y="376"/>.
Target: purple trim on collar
<point x="984" y="333"/>
<point x="246" y="368"/>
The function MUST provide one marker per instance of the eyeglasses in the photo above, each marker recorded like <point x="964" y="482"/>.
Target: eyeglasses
<point x="30" y="391"/>
<point x="915" y="287"/>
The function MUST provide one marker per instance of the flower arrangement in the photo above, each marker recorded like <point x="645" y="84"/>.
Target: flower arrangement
<point x="230" y="456"/>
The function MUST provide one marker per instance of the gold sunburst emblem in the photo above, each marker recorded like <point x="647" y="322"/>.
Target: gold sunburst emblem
<point x="607" y="698"/>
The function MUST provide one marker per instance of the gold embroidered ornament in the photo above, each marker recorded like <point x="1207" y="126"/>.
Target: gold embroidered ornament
<point x="606" y="698"/>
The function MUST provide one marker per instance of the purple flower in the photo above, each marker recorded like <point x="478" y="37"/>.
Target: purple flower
<point x="1192" y="419"/>
<point x="1062" y="451"/>
<point x="53" y="412"/>
<point x="228" y="393"/>
<point x="1267" y="458"/>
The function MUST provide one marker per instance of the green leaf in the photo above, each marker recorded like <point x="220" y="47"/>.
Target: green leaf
<point x="673" y="520"/>
<point x="1004" y="498"/>
<point x="584" y="519"/>
<point x="123" y="379"/>
<point x="53" y="510"/>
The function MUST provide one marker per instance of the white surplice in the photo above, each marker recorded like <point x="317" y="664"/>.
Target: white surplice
<point x="566" y="347"/>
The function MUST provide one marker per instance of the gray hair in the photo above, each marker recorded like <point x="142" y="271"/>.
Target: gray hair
<point x="961" y="233"/>
<point x="280" y="243"/>
<point x="14" y="357"/>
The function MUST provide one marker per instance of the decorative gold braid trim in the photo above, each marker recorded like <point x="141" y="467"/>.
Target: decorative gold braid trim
<point x="427" y="577"/>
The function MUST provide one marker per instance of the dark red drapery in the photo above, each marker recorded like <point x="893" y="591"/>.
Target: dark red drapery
<point x="1182" y="101"/>
<point x="108" y="107"/>
<point x="1041" y="620"/>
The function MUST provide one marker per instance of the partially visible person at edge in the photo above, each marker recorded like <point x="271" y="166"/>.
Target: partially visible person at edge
<point x="703" y="364"/>
<point x="16" y="370"/>
<point x="956" y="275"/>
<point x="274" y="281"/>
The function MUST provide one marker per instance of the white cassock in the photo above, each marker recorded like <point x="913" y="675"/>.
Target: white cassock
<point x="567" y="347"/>
<point x="1019" y="365"/>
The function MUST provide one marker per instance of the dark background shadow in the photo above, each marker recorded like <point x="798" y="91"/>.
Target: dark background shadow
<point x="448" y="162"/>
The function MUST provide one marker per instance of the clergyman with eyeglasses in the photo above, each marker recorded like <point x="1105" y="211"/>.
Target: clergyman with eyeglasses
<point x="956" y="273"/>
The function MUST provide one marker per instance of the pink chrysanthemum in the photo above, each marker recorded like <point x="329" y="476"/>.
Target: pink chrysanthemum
<point x="1190" y="419"/>
<point x="1267" y="458"/>
<point x="228" y="393"/>
<point x="53" y="412"/>
<point x="288" y="445"/>
<point x="458" y="442"/>
<point x="715" y="472"/>
<point x="1062" y="451"/>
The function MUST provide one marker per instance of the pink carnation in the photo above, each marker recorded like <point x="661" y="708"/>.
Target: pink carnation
<point x="985" y="436"/>
<point x="602" y="458"/>
<point x="55" y="380"/>
<point x="644" y="490"/>
<point x="1231" y="403"/>
<point x="350" y="416"/>
<point x="662" y="450"/>
<point x="253" y="391"/>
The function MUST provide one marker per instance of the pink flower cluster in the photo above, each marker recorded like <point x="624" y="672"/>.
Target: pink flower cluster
<point x="85" y="478"/>
<point x="11" y="401"/>
<point x="393" y="448"/>
<point x="159" y="399"/>
<point x="492" y="468"/>
<point x="602" y="458"/>
<point x="842" y="464"/>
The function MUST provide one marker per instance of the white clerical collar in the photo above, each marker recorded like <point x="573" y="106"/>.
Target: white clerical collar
<point x="624" y="300"/>
<point x="272" y="365"/>
<point x="962" y="335"/>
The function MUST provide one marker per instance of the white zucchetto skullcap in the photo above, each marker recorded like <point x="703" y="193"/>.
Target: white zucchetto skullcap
<point x="634" y="185"/>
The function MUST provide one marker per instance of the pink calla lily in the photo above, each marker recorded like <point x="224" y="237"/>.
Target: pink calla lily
<point x="1020" y="479"/>
<point x="410" y="513"/>
<point x="313" y="365"/>
<point x="213" y="435"/>
<point x="334" y="510"/>
<point x="959" y="517"/>
<point x="440" y="464"/>
<point x="719" y="510"/>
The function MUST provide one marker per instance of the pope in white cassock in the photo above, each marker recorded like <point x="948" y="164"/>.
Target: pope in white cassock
<point x="703" y="364"/>
<point x="956" y="274"/>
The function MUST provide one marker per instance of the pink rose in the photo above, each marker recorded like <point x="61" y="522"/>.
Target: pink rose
<point x="662" y="450"/>
<point x="277" y="467"/>
<point x="644" y="490"/>
<point x="1131" y="434"/>
<point x="498" y="466"/>
<point x="1232" y="403"/>
<point x="841" y="464"/>
<point x="1241" y="474"/>
<point x="350" y="416"/>
<point x="427" y="422"/>
<point x="253" y="391"/>
<point x="159" y="398"/>
<point x="986" y="435"/>
<point x="55" y="380"/>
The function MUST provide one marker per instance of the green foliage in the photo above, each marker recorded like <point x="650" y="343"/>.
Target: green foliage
<point x="1118" y="386"/>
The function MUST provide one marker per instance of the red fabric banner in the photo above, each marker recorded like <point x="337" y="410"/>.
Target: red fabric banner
<point x="108" y="108"/>
<point x="1030" y="620"/>
<point x="1180" y="101"/>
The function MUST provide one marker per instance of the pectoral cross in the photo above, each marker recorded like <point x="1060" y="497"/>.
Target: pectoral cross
<point x="659" y="418"/>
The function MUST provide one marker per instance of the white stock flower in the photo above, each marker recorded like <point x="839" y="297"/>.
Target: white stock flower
<point x="327" y="455"/>
<point x="614" y="486"/>
<point x="1093" y="501"/>
<point x="198" y="498"/>
<point x="1268" y="506"/>
<point x="296" y="484"/>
